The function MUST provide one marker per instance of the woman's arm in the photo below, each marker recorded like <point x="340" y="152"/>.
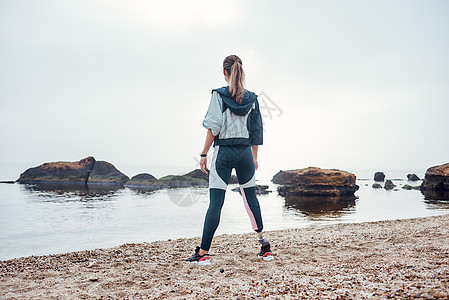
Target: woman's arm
<point x="255" y="148"/>
<point x="209" y="140"/>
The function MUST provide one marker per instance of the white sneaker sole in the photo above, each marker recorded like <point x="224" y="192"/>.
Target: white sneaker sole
<point x="269" y="257"/>
<point x="201" y="263"/>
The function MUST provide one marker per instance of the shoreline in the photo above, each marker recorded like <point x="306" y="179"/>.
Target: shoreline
<point x="398" y="258"/>
<point x="312" y="225"/>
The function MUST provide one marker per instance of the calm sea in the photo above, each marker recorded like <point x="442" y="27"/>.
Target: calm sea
<point x="38" y="222"/>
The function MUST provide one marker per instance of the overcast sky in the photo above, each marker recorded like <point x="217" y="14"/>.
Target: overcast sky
<point x="348" y="84"/>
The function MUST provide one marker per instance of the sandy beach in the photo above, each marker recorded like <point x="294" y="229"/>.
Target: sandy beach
<point x="387" y="259"/>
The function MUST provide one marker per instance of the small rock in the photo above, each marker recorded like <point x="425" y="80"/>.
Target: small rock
<point x="379" y="176"/>
<point x="389" y="185"/>
<point x="411" y="187"/>
<point x="260" y="189"/>
<point x="412" y="177"/>
<point x="93" y="279"/>
<point x="179" y="181"/>
<point x="377" y="186"/>
<point x="222" y="270"/>
<point x="145" y="181"/>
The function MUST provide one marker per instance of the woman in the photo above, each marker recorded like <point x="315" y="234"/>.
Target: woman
<point x="234" y="125"/>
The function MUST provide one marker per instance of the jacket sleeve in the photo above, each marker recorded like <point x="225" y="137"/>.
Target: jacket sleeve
<point x="256" y="126"/>
<point x="214" y="115"/>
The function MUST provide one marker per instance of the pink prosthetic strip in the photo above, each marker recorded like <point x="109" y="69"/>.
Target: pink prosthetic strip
<point x="248" y="210"/>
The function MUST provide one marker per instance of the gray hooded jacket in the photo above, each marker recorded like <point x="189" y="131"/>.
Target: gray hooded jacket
<point x="232" y="123"/>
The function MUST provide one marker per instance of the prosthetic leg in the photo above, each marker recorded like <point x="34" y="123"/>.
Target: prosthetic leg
<point x="265" y="251"/>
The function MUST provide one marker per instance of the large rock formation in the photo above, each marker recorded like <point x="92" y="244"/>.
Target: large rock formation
<point x="87" y="171"/>
<point x="105" y="173"/>
<point x="59" y="172"/>
<point x="145" y="181"/>
<point x="436" y="182"/>
<point x="314" y="181"/>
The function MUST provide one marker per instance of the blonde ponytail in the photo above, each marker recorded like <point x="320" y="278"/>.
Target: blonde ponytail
<point x="233" y="65"/>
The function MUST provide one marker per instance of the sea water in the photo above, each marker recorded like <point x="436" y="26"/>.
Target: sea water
<point x="37" y="221"/>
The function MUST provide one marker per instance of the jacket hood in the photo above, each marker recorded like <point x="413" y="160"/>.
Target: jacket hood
<point x="239" y="109"/>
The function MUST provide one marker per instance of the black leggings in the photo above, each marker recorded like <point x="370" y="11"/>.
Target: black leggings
<point x="226" y="158"/>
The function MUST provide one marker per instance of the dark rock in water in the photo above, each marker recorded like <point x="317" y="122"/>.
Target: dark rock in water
<point x="195" y="178"/>
<point x="437" y="178"/>
<point x="63" y="172"/>
<point x="412" y="177"/>
<point x="314" y="181"/>
<point x="197" y="173"/>
<point x="236" y="189"/>
<point x="389" y="185"/>
<point x="377" y="186"/>
<point x="436" y="183"/>
<point x="278" y="178"/>
<point x="143" y="177"/>
<point x="186" y="180"/>
<point x="411" y="187"/>
<point x="260" y="189"/>
<point x="105" y="173"/>
<point x="379" y="176"/>
<point x="145" y="181"/>
<point x="178" y="181"/>
<point x="8" y="181"/>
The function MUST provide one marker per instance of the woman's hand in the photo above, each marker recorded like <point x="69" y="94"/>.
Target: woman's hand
<point x="203" y="164"/>
<point x="209" y="140"/>
<point x="254" y="150"/>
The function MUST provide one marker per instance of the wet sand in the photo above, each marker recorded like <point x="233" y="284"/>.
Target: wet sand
<point x="399" y="259"/>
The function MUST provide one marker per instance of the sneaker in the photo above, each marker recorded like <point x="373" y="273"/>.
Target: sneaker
<point x="203" y="260"/>
<point x="265" y="253"/>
